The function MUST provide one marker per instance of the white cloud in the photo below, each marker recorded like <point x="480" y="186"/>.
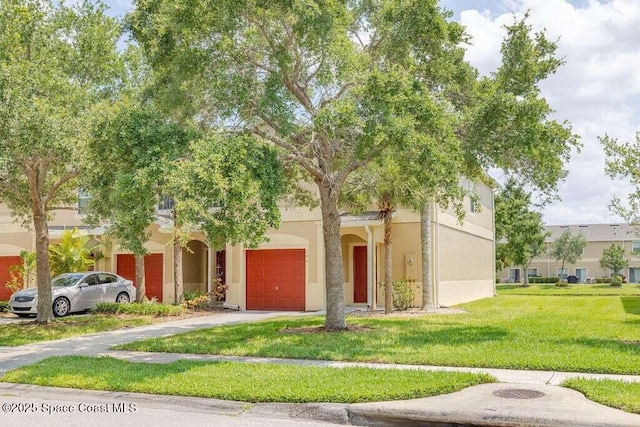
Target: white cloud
<point x="598" y="90"/>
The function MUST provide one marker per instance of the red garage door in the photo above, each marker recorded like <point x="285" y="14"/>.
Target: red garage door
<point x="276" y="279"/>
<point x="6" y="262"/>
<point x="126" y="267"/>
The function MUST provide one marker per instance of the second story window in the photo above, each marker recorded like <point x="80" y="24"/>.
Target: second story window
<point x="166" y="203"/>
<point x="83" y="200"/>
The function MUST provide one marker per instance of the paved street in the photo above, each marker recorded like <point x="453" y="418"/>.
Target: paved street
<point x="82" y="411"/>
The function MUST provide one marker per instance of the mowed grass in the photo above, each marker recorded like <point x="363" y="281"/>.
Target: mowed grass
<point x="106" y="317"/>
<point x="27" y="332"/>
<point x="577" y="290"/>
<point x="617" y="394"/>
<point x="565" y="333"/>
<point x="247" y="382"/>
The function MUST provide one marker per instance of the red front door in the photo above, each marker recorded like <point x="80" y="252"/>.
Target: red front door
<point x="153" y="266"/>
<point x="6" y="262"/>
<point x="359" y="274"/>
<point x="276" y="279"/>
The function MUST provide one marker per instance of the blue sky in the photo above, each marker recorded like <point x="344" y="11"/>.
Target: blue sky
<point x="598" y="90"/>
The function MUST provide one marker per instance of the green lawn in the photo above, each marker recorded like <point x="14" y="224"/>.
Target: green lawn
<point x="247" y="382"/>
<point x="106" y="317"/>
<point x="568" y="333"/>
<point x="578" y="290"/>
<point x="618" y="394"/>
<point x="29" y="332"/>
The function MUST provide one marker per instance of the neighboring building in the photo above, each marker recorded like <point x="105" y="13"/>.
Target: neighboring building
<point x="598" y="237"/>
<point x="287" y="271"/>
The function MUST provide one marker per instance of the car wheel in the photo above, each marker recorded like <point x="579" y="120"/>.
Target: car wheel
<point x="122" y="297"/>
<point x="61" y="307"/>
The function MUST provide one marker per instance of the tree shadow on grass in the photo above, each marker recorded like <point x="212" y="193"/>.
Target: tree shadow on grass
<point x="622" y="346"/>
<point x="631" y="304"/>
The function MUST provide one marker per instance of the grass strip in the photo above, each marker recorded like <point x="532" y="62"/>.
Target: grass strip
<point x="617" y="394"/>
<point x="247" y="382"/>
<point x="27" y="332"/>
<point x="570" y="290"/>
<point x="595" y="334"/>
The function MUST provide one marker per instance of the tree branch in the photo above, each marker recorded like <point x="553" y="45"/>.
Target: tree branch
<point x="337" y="96"/>
<point x="63" y="180"/>
<point x="292" y="149"/>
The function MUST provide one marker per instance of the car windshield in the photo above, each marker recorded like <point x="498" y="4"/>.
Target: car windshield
<point x="69" y="279"/>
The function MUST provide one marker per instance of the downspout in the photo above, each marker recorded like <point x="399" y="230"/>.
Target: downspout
<point x="370" y="273"/>
<point x="493" y="225"/>
<point x="437" y="256"/>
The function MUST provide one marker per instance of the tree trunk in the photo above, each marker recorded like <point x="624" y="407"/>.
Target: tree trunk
<point x="177" y="270"/>
<point x="43" y="273"/>
<point x="177" y="261"/>
<point x="388" y="285"/>
<point x="140" y="284"/>
<point x="525" y="278"/>
<point x="336" y="316"/>
<point x="425" y="234"/>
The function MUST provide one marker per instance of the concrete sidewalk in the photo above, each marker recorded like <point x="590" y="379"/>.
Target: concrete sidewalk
<point x="522" y="398"/>
<point x="98" y="343"/>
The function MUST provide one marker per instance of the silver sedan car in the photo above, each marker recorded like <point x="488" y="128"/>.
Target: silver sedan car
<point x="73" y="292"/>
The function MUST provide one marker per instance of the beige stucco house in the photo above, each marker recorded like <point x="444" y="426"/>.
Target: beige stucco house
<point x="287" y="271"/>
<point x="598" y="238"/>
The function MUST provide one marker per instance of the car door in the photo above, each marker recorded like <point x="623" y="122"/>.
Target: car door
<point x="108" y="287"/>
<point x="89" y="293"/>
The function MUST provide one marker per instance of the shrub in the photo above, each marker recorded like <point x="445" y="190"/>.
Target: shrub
<point x="562" y="284"/>
<point x="4" y="306"/>
<point x="219" y="290"/>
<point x="198" y="302"/>
<point x="402" y="293"/>
<point x="603" y="280"/>
<point x="147" y="309"/>
<point x="192" y="295"/>
<point x="616" y="281"/>
<point x="544" y="279"/>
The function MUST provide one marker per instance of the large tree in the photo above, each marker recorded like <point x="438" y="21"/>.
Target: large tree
<point x="504" y="123"/>
<point x="128" y="160"/>
<point x="56" y="64"/>
<point x="568" y="248"/>
<point x="623" y="161"/>
<point x="520" y="233"/>
<point x="508" y="123"/>
<point x="333" y="83"/>
<point x="229" y="187"/>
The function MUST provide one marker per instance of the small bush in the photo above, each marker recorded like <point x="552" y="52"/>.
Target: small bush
<point x="603" y="280"/>
<point x="199" y="302"/>
<point x="402" y="293"/>
<point x="562" y="284"/>
<point x="616" y="281"/>
<point x="4" y="306"/>
<point x="544" y="279"/>
<point x="192" y="295"/>
<point x="146" y="309"/>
